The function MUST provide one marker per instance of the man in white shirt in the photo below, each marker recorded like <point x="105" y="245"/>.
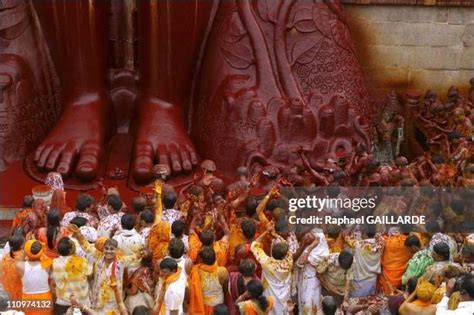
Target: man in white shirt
<point x="111" y="223"/>
<point x="170" y="297"/>
<point x="129" y="241"/>
<point x="146" y="219"/>
<point x="170" y="214"/>
<point x="466" y="304"/>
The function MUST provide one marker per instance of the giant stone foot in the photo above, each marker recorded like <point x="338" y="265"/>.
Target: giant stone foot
<point x="161" y="138"/>
<point x="76" y="143"/>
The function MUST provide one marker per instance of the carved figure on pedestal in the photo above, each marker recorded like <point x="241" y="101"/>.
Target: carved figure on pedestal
<point x="388" y="134"/>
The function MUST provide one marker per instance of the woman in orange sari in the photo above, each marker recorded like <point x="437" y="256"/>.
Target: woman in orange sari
<point x="52" y="233"/>
<point x="11" y="279"/>
<point x="258" y="304"/>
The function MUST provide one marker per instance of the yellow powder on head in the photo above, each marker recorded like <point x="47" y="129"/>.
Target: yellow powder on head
<point x="425" y="291"/>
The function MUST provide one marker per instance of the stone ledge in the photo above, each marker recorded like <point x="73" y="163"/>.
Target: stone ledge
<point x="7" y="214"/>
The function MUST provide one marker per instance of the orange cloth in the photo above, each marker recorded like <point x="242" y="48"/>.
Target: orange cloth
<point x="220" y="248"/>
<point x="46" y="299"/>
<point x="20" y="217"/>
<point x="196" y="298"/>
<point x="159" y="237"/>
<point x="251" y="308"/>
<point x="236" y="236"/>
<point x="421" y="303"/>
<point x="11" y="277"/>
<point x="46" y="262"/>
<point x="335" y="245"/>
<point x="58" y="201"/>
<point x="52" y="252"/>
<point x="394" y="260"/>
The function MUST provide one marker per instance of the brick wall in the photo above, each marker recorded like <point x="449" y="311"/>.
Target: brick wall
<point x="414" y="47"/>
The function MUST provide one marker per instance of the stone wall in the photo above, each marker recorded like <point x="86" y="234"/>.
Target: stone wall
<point x="405" y="47"/>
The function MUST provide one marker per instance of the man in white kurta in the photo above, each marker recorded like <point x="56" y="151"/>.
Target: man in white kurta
<point x="309" y="286"/>
<point x="276" y="273"/>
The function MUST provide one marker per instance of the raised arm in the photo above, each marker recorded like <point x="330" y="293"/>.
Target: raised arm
<point x="88" y="248"/>
<point x="273" y="193"/>
<point x="158" y="202"/>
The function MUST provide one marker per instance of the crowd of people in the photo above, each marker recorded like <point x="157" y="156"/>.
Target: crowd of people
<point x="216" y="248"/>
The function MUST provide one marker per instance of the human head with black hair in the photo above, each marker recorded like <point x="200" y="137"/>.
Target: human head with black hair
<point x="33" y="249"/>
<point x="468" y="252"/>
<point x="432" y="227"/>
<point x="176" y="248"/>
<point x="279" y="250"/>
<point x="282" y="228"/>
<point x="52" y="229"/>
<point x="345" y="259"/>
<point x="16" y="243"/>
<point x="169" y="199"/>
<point x="221" y="309"/>
<point x="278" y="214"/>
<point x="147" y="259"/>
<point x="207" y="237"/>
<point x="177" y="228"/>
<point x="413" y="243"/>
<point x="333" y="231"/>
<point x="66" y="247"/>
<point x="127" y="221"/>
<point x="168" y="266"/>
<point x="208" y="255"/>
<point x="147" y="218"/>
<point x="249" y="228"/>
<point x="329" y="305"/>
<point x="27" y="202"/>
<point x="441" y="251"/>
<point x="251" y="206"/>
<point x="406" y="228"/>
<point x="140" y="310"/>
<point x="114" y="203"/>
<point x="84" y="202"/>
<point x="272" y="204"/>
<point x="467" y="288"/>
<point x="411" y="284"/>
<point x="79" y="221"/>
<point x="247" y="267"/>
<point x="138" y="204"/>
<point x="255" y="290"/>
<point x="369" y="230"/>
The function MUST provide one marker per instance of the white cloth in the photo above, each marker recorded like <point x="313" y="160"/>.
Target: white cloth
<point x="129" y="241"/>
<point x="35" y="279"/>
<point x="464" y="308"/>
<point x="174" y="297"/>
<point x="309" y="286"/>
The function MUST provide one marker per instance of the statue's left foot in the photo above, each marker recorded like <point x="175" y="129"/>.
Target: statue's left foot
<point x="161" y="138"/>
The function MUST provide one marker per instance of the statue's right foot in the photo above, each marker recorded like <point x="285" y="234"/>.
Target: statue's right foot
<point x="76" y="143"/>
